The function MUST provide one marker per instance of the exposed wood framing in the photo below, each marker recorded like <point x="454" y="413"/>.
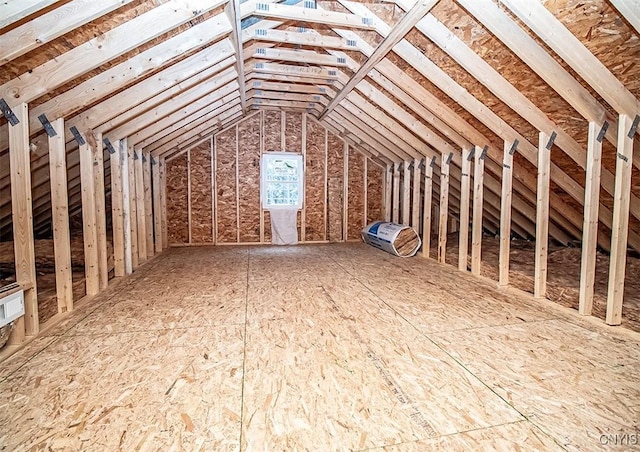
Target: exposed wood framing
<point x="60" y="217"/>
<point x="388" y="192"/>
<point x="148" y="203"/>
<point x="233" y="11"/>
<point x="444" y="208"/>
<point x="398" y="32"/>
<point x="133" y="208"/>
<point x="126" y="205"/>
<point x="117" y="209"/>
<point x="426" y="209"/>
<point x="163" y="207"/>
<point x="415" y="206"/>
<point x="21" y="207"/>
<point x="406" y="193"/>
<point x="396" y="193"/>
<point x="157" y="202"/>
<point x="620" y="228"/>
<point x="465" y="195"/>
<point x="590" y="229"/>
<point x="90" y="233"/>
<point x="478" y="211"/>
<point x="505" y="214"/>
<point x="101" y="218"/>
<point x="542" y="217"/>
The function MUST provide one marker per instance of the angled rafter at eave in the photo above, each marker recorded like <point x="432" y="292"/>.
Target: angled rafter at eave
<point x="117" y="41"/>
<point x="575" y="54"/>
<point x="507" y="93"/>
<point x="217" y="112"/>
<point x="398" y="32"/>
<point x="99" y="86"/>
<point x="445" y="83"/>
<point x="537" y="58"/>
<point x="47" y="27"/>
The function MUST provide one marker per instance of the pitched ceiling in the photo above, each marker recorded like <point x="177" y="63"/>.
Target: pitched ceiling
<point x="402" y="81"/>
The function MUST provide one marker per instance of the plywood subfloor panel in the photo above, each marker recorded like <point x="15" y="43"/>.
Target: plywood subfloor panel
<point x="325" y="347"/>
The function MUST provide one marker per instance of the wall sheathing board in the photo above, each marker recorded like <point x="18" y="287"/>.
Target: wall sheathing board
<point x="272" y="123"/>
<point x="315" y="189"/>
<point x="375" y="194"/>
<point x="335" y="188"/>
<point x="293" y="143"/>
<point x="201" y="194"/>
<point x="355" y="194"/>
<point x="177" y="199"/>
<point x="237" y="183"/>
<point x="249" y="181"/>
<point x="225" y="148"/>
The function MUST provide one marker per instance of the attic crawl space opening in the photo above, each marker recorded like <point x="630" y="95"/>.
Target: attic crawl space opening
<point x="135" y="139"/>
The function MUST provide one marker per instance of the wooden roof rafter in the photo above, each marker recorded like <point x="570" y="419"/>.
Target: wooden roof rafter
<point x="417" y="12"/>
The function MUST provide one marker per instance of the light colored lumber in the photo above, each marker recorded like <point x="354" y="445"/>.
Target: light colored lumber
<point x="21" y="208"/>
<point x="117" y="209"/>
<point x="133" y="207"/>
<point x="141" y="221"/>
<point x="51" y="25"/>
<point x="590" y="229"/>
<point x="417" y="183"/>
<point x="535" y="16"/>
<point x="303" y="39"/>
<point x="163" y="192"/>
<point x="505" y="215"/>
<point x="396" y="193"/>
<point x="478" y="210"/>
<point x="316" y="16"/>
<point x="620" y="229"/>
<point x="12" y="11"/>
<point x="630" y="10"/>
<point x="542" y="217"/>
<point x="90" y="233"/>
<point x="233" y="12"/>
<point x="426" y="209"/>
<point x="157" y="202"/>
<point x="101" y="218"/>
<point x="388" y="192"/>
<point x="417" y="11"/>
<point x="406" y="193"/>
<point x="444" y="208"/>
<point x="148" y="202"/>
<point x="465" y="196"/>
<point x="60" y="217"/>
<point x="113" y="43"/>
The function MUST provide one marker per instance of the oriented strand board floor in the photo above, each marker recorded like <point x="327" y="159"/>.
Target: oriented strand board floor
<point x="328" y="347"/>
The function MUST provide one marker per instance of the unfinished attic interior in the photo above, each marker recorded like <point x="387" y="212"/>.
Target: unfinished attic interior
<point x="184" y="188"/>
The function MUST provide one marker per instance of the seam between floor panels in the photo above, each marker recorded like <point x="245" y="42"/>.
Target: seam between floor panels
<point x="244" y="348"/>
<point x="457" y="361"/>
